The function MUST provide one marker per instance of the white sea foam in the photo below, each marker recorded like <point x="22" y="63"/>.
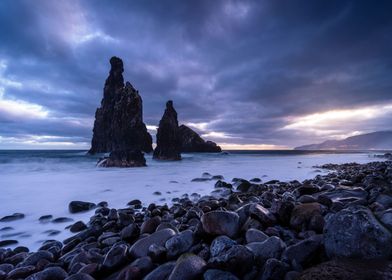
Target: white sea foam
<point x="42" y="183"/>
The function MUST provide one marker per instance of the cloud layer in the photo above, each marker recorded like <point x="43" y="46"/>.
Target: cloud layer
<point x="259" y="73"/>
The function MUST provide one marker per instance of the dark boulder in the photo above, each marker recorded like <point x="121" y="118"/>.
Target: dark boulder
<point x="221" y="223"/>
<point x="188" y="266"/>
<point x="348" y="269"/>
<point x="161" y="272"/>
<point x="13" y="217"/>
<point x="237" y="259"/>
<point x="124" y="158"/>
<point x="119" y="121"/>
<point x="216" y="274"/>
<point x="80" y="206"/>
<point x="274" y="270"/>
<point x="78" y="226"/>
<point x="50" y="273"/>
<point x="140" y="248"/>
<point x="191" y="142"/>
<point x="168" y="136"/>
<point x="355" y="232"/>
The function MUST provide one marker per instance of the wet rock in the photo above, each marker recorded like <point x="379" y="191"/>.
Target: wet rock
<point x="216" y="274"/>
<point x="221" y="244"/>
<point x="34" y="258"/>
<point x="13" y="217"/>
<point x="134" y="202"/>
<point x="116" y="257"/>
<point x="306" y="189"/>
<point x="78" y="226"/>
<point x="188" y="266"/>
<point x="344" y="193"/>
<point x="385" y="200"/>
<point x="140" y="248"/>
<point x="221" y="223"/>
<point x="255" y="235"/>
<point x="306" y="199"/>
<point x="80" y="206"/>
<point x="191" y="142"/>
<point x="386" y="218"/>
<point x="200" y="179"/>
<point x="292" y="275"/>
<point x="255" y="180"/>
<point x="348" y="269"/>
<point x="243" y="185"/>
<point x="283" y="210"/>
<point x="143" y="265"/>
<point x="303" y="213"/>
<point x="355" y="232"/>
<point x="61" y="220"/>
<point x="150" y="225"/>
<point x="304" y="252"/>
<point x="6" y="228"/>
<point x="45" y="218"/>
<point x="50" y="273"/>
<point x="6" y="267"/>
<point x="179" y="243"/>
<point x="237" y="259"/>
<point x="130" y="232"/>
<point x="274" y="270"/>
<point x="161" y="272"/>
<point x="21" y="272"/>
<point x="17" y="258"/>
<point x="80" y="276"/>
<point x="157" y="253"/>
<point x="124" y="159"/>
<point x="4" y="243"/>
<point x="273" y="247"/>
<point x="262" y="214"/>
<point x="168" y="136"/>
<point x="222" y="184"/>
<point x="119" y="122"/>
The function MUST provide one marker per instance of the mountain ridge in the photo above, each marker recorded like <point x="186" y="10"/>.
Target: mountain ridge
<point x="379" y="140"/>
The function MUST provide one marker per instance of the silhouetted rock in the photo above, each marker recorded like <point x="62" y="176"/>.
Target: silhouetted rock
<point x="118" y="122"/>
<point x="191" y="142"/>
<point x="168" y="136"/>
<point x="127" y="158"/>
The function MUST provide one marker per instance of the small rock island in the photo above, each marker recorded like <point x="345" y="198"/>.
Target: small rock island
<point x="168" y="136"/>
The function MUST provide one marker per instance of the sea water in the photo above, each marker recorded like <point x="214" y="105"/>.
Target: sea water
<point x="38" y="183"/>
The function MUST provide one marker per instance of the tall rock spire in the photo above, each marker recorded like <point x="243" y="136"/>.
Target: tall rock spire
<point x="119" y="122"/>
<point x="168" y="136"/>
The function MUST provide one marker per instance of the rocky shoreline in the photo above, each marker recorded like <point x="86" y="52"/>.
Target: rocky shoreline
<point x="334" y="226"/>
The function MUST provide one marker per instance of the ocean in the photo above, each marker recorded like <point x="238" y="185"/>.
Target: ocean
<point x="38" y="182"/>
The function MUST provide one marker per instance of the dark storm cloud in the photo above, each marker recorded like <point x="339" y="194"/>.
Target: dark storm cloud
<point x="248" y="69"/>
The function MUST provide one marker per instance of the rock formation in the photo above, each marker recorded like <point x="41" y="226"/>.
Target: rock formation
<point x="191" y="142"/>
<point x="127" y="158"/>
<point x="118" y="122"/>
<point x="168" y="136"/>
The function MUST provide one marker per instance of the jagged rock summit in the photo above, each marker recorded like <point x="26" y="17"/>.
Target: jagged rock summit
<point x="119" y="122"/>
<point x="191" y="142"/>
<point x="168" y="136"/>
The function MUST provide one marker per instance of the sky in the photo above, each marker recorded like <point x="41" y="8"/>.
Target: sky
<point x="247" y="74"/>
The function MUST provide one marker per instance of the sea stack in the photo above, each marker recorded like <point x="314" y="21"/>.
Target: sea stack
<point x="119" y="122"/>
<point x="191" y="142"/>
<point x="168" y="136"/>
